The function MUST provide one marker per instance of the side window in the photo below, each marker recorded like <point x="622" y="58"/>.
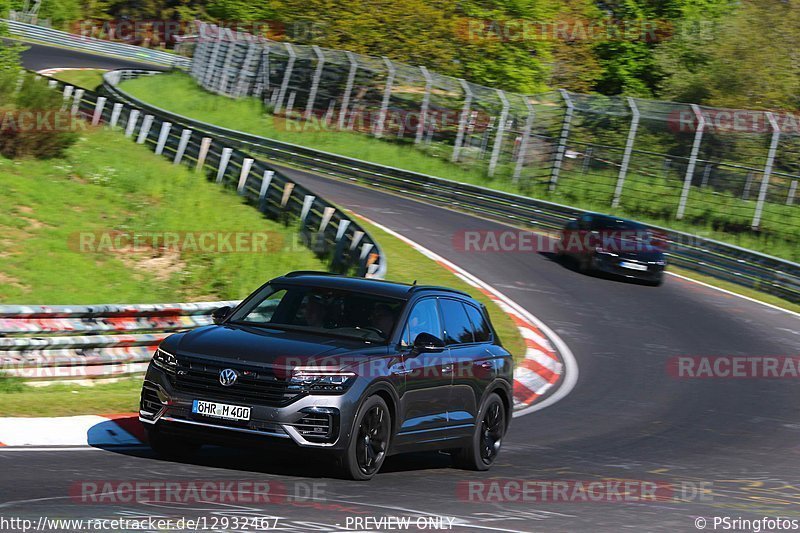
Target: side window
<point x="457" y="327"/>
<point x="424" y="318"/>
<point x="480" y="326"/>
<point x="585" y="222"/>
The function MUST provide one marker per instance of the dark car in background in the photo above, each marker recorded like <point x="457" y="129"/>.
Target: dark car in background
<point x="614" y="246"/>
<point x="355" y="367"/>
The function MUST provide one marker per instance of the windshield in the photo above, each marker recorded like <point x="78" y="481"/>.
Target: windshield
<point x="322" y="311"/>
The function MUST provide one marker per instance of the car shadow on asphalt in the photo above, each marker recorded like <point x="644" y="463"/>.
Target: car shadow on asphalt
<point x="126" y="436"/>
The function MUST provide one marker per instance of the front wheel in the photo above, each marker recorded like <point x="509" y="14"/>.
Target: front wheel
<point x="487" y="438"/>
<point x="370" y="440"/>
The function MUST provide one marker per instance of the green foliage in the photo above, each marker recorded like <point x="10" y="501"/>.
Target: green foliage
<point x="33" y="126"/>
<point x="747" y="58"/>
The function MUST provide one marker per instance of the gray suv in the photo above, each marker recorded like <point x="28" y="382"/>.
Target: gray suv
<point x="356" y="367"/>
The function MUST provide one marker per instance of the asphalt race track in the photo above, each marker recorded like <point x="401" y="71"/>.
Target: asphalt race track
<point x="735" y="440"/>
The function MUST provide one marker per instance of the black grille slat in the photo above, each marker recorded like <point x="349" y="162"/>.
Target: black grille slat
<point x="257" y="387"/>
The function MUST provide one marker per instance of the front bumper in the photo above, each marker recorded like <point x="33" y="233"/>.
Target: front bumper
<point x="312" y="421"/>
<point x="613" y="264"/>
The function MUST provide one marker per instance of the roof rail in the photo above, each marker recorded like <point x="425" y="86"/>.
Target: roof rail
<point x="298" y="273"/>
<point x="417" y="288"/>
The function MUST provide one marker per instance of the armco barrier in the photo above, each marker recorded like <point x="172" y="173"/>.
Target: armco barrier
<point x="39" y="34"/>
<point x="41" y="344"/>
<point x="704" y="256"/>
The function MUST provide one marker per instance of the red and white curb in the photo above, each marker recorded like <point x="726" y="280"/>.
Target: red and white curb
<point x="87" y="430"/>
<point x="548" y="360"/>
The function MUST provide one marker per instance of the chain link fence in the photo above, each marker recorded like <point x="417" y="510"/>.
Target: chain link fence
<point x="718" y="170"/>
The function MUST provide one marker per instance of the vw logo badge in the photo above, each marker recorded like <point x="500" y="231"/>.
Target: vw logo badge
<point x="227" y="377"/>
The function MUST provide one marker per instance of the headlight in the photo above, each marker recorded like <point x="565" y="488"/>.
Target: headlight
<point x="320" y="380"/>
<point x="600" y="250"/>
<point x="165" y="361"/>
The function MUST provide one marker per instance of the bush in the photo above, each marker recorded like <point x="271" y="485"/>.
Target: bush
<point x="34" y="126"/>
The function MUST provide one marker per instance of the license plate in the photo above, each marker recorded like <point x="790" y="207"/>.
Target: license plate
<point x="221" y="410"/>
<point x="632" y="266"/>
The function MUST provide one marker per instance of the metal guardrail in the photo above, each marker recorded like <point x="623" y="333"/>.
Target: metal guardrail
<point x="65" y="342"/>
<point x="39" y="343"/>
<point x="40" y="34"/>
<point x="705" y="256"/>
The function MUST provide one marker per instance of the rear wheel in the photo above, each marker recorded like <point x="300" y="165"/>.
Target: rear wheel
<point x="170" y="446"/>
<point x="370" y="440"/>
<point x="487" y="438"/>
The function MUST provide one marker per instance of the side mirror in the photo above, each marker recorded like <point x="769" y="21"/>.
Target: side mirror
<point x="427" y="343"/>
<point x="218" y="315"/>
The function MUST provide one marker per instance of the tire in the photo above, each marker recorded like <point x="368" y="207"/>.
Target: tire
<point x="481" y="453"/>
<point x="170" y="447"/>
<point x="369" y="442"/>
<point x="656" y="282"/>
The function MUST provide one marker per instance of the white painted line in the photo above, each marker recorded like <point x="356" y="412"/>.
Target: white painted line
<point x="731" y="293"/>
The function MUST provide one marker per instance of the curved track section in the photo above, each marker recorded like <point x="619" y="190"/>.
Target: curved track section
<point x="733" y="440"/>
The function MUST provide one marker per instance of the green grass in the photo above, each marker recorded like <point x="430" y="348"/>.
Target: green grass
<point x="710" y="214"/>
<point x="105" y="183"/>
<point x="86" y="79"/>
<point x="68" y="400"/>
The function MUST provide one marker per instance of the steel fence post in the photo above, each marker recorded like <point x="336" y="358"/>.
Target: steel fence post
<point x="145" y="129"/>
<point x="315" y="81"/>
<point x="792" y="191"/>
<point x="223" y="163"/>
<point x="247" y="164"/>
<point x="626" y="157"/>
<point x="98" y="110"/>
<point x="182" y="144"/>
<point x="266" y="180"/>
<point x="462" y="120"/>
<point x="687" y="181"/>
<point x="523" y="145"/>
<point x="762" y="192"/>
<point x="562" y="141"/>
<point x="115" y="113"/>
<point x="499" y="133"/>
<point x="133" y="118"/>
<point x="287" y="73"/>
<point x="423" y="110"/>
<point x="205" y="145"/>
<point x="348" y="89"/>
<point x="162" y="137"/>
<point x="387" y="95"/>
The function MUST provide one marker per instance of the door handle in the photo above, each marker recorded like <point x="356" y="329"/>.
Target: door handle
<point x="487" y="365"/>
<point x="447" y="369"/>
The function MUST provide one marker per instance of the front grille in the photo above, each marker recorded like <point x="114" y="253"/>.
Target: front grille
<point x="252" y="387"/>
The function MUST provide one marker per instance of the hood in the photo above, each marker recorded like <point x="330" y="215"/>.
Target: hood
<point x="270" y="347"/>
